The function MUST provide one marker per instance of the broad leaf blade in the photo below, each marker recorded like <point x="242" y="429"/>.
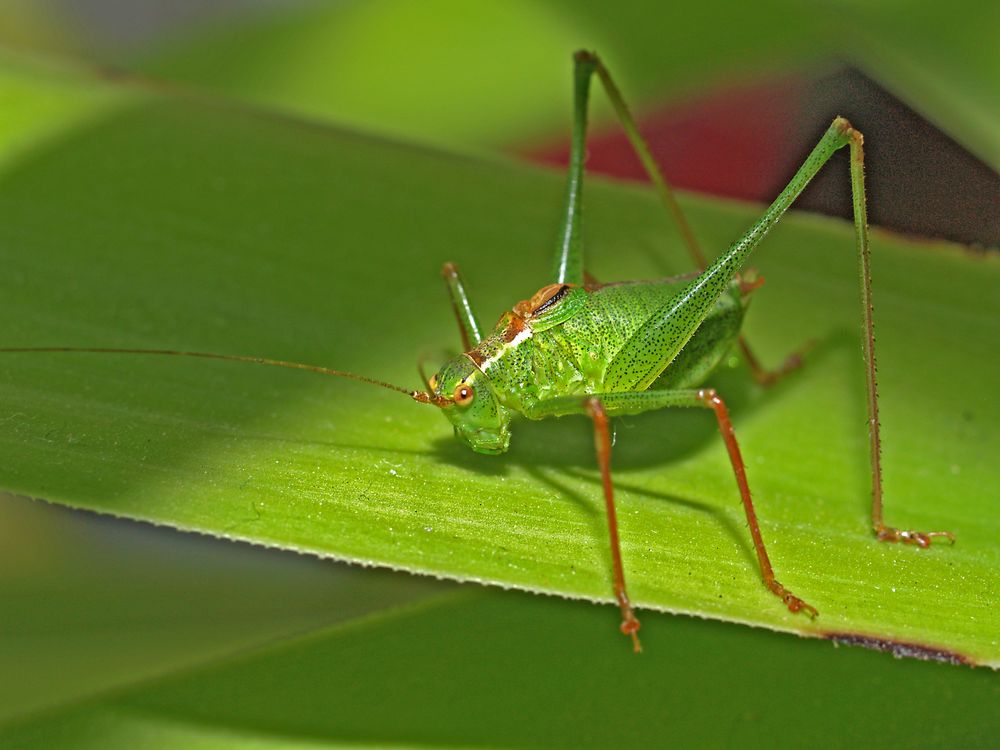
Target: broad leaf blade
<point x="532" y="672"/>
<point x="181" y="224"/>
<point x="92" y="603"/>
<point x="342" y="62"/>
<point x="481" y="74"/>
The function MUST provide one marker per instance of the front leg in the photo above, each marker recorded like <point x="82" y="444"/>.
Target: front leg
<point x="602" y="442"/>
<point x="637" y="402"/>
<point x="468" y="326"/>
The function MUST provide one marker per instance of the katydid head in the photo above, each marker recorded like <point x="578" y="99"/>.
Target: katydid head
<point x="479" y="419"/>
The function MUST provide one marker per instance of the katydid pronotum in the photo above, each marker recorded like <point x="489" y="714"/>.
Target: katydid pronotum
<point x="601" y="350"/>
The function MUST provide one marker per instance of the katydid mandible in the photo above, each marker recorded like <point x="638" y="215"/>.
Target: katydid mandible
<point x="578" y="346"/>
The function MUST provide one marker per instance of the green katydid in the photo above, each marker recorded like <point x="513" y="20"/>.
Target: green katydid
<point x="580" y="347"/>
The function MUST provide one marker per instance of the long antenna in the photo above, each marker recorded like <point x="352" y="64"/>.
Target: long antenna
<point x="420" y="396"/>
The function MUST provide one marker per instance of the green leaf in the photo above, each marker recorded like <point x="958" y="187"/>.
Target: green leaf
<point x="481" y="74"/>
<point x="93" y="603"/>
<point x="504" y="669"/>
<point x="167" y="222"/>
<point x="417" y="68"/>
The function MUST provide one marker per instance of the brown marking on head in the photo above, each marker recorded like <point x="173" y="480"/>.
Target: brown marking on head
<point x="900" y="649"/>
<point x="515" y="325"/>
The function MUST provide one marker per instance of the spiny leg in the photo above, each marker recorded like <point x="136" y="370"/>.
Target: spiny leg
<point x="602" y="443"/>
<point x="568" y="263"/>
<point x="567" y="267"/>
<point x="641" y="149"/>
<point x="882" y="532"/>
<point x="655" y="345"/>
<point x="637" y="402"/>
<point x="762" y="375"/>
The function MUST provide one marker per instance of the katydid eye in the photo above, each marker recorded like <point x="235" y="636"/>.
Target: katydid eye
<point x="464" y="394"/>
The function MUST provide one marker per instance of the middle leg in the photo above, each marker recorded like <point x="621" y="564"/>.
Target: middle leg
<point x="602" y="443"/>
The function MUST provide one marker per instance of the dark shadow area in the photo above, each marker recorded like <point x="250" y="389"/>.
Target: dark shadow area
<point x="919" y="181"/>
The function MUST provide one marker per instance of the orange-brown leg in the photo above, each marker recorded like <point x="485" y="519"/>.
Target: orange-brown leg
<point x="712" y="400"/>
<point x="602" y="442"/>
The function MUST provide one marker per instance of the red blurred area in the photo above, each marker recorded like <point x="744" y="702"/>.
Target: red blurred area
<point x="725" y="144"/>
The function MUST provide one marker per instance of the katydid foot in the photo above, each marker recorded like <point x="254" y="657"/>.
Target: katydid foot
<point x="920" y="539"/>
<point x="630" y="624"/>
<point x="791" y="601"/>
